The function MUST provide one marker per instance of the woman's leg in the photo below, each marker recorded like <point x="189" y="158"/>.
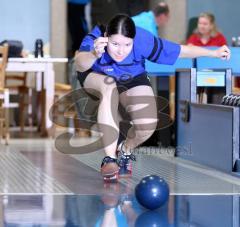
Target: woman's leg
<point x="140" y="104"/>
<point x="108" y="109"/>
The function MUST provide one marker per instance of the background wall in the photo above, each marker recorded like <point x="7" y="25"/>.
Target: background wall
<point x="58" y="37"/>
<point x="176" y="28"/>
<point x="28" y="20"/>
<point x="25" y="20"/>
<point x="226" y="13"/>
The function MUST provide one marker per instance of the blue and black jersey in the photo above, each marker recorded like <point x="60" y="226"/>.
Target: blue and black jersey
<point x="145" y="46"/>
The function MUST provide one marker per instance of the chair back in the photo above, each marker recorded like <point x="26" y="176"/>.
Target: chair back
<point x="3" y="64"/>
<point x="16" y="80"/>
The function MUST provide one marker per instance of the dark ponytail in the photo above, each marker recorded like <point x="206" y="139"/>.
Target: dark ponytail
<point x="102" y="28"/>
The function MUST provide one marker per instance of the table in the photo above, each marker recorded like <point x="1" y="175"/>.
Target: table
<point x="45" y="80"/>
<point x="155" y="69"/>
<point x="216" y="63"/>
<point x="199" y="63"/>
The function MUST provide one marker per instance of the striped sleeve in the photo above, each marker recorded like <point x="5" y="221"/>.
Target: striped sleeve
<point x="156" y="49"/>
<point x="88" y="41"/>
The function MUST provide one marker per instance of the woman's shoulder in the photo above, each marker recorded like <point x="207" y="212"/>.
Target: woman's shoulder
<point x="97" y="30"/>
<point x="140" y="30"/>
<point x="220" y="35"/>
<point x="142" y="34"/>
<point x="194" y="37"/>
<point x="220" y="38"/>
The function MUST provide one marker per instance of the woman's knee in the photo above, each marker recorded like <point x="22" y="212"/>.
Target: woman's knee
<point x="101" y="84"/>
<point x="143" y="135"/>
<point x="109" y="91"/>
<point x="144" y="131"/>
<point x="108" y="88"/>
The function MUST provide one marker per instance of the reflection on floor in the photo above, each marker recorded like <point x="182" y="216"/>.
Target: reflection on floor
<point x="41" y="186"/>
<point x="110" y="210"/>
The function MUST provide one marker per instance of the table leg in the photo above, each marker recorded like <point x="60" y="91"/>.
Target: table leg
<point x="49" y="82"/>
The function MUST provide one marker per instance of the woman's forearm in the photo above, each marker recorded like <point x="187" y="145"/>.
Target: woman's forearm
<point x="195" y="51"/>
<point x="191" y="51"/>
<point x="85" y="60"/>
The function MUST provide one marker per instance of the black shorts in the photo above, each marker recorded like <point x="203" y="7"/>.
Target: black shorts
<point x="123" y="84"/>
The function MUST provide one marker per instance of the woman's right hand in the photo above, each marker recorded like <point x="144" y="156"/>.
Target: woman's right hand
<point x="99" y="46"/>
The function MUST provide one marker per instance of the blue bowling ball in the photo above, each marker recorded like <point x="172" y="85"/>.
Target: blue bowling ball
<point x="152" y="192"/>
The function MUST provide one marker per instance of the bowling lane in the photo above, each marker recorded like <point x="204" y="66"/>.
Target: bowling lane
<point x="183" y="177"/>
<point x="80" y="173"/>
<point x="72" y="192"/>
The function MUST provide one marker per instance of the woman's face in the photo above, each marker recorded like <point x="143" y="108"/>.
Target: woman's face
<point x="119" y="47"/>
<point x="204" y="26"/>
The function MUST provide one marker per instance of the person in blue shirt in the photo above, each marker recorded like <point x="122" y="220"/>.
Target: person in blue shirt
<point x="111" y="65"/>
<point x="153" y="20"/>
<point x="77" y="23"/>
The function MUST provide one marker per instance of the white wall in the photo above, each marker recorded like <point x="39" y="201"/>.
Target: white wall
<point x="25" y="20"/>
<point x="28" y="20"/>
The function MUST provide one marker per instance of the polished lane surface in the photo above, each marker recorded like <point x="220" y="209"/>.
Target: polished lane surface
<point x="41" y="186"/>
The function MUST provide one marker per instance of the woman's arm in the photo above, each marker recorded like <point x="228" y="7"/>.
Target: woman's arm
<point x="85" y="59"/>
<point x="195" y="51"/>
